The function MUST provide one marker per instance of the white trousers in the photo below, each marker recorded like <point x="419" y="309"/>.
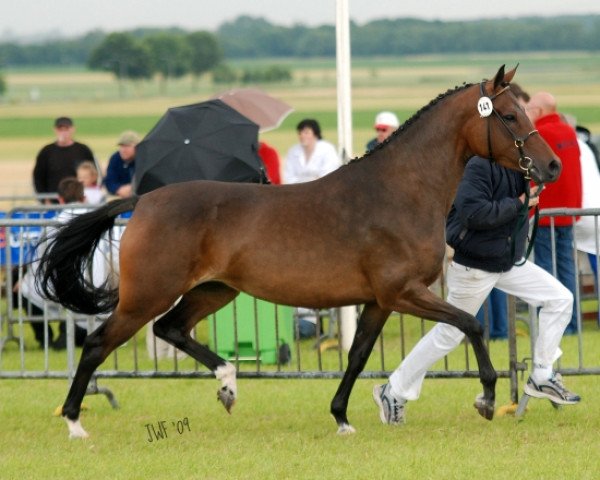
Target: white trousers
<point x="467" y="289"/>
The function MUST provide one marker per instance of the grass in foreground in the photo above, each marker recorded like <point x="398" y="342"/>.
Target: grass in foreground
<point x="282" y="429"/>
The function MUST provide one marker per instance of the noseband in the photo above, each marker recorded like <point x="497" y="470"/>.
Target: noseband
<point x="486" y="109"/>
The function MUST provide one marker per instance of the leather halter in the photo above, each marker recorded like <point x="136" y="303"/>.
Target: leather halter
<point x="525" y="162"/>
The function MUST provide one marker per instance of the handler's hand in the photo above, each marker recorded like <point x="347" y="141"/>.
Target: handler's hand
<point x="534" y="199"/>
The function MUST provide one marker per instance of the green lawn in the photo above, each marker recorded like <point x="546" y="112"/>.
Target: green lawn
<point x="282" y="429"/>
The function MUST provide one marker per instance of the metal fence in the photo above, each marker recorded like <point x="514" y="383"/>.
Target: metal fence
<point x="261" y="339"/>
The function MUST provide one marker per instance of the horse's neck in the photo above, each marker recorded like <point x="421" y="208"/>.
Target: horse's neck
<point x="431" y="150"/>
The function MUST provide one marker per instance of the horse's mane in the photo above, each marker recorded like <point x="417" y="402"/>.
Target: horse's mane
<point x="402" y="128"/>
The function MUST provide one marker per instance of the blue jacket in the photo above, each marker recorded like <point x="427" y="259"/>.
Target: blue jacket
<point x="483" y="218"/>
<point x="118" y="173"/>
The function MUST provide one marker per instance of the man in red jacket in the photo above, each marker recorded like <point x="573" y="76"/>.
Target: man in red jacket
<point x="564" y="193"/>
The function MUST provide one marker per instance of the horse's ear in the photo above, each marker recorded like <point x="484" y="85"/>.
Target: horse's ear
<point x="499" y="78"/>
<point x="509" y="76"/>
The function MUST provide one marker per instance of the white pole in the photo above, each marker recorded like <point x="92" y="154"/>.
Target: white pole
<point x="344" y="92"/>
<point x="344" y="105"/>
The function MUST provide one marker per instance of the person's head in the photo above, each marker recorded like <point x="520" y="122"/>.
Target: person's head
<point x="127" y="143"/>
<point x="87" y="173"/>
<point x="522" y="96"/>
<point x="64" y="130"/>
<point x="385" y="124"/>
<point x="70" y="190"/>
<point x="309" y="131"/>
<point x="540" y="105"/>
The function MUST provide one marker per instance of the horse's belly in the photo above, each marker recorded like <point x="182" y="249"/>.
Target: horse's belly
<point x="306" y="290"/>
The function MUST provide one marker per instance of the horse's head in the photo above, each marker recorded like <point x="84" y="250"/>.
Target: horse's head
<point x="499" y="129"/>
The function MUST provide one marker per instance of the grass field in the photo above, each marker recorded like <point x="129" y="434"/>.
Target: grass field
<point x="281" y="429"/>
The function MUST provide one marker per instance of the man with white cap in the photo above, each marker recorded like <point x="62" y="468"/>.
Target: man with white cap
<point x="385" y="124"/>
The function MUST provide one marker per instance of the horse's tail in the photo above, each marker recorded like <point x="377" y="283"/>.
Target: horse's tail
<point x="63" y="272"/>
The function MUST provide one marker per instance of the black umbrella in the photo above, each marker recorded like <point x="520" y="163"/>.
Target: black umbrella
<point x="204" y="141"/>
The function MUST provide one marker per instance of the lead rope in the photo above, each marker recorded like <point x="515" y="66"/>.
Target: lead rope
<point x="523" y="219"/>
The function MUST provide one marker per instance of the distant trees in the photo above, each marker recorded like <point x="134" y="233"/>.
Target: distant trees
<point x="267" y="74"/>
<point x="170" y="54"/>
<point x="55" y="52"/>
<point x="206" y="52"/>
<point x="248" y="37"/>
<point x="124" y="56"/>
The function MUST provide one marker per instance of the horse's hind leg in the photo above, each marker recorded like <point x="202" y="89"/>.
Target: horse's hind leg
<point x="423" y="303"/>
<point x="176" y="325"/>
<point x="369" y="326"/>
<point x="117" y="329"/>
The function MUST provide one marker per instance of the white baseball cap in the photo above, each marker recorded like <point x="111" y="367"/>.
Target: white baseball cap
<point x="386" y="119"/>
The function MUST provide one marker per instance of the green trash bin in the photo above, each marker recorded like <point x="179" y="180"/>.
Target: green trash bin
<point x="275" y="325"/>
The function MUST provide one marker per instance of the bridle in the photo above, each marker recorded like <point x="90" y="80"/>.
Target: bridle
<point x="486" y="109"/>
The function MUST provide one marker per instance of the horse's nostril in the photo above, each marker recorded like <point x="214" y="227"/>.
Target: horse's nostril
<point x="554" y="168"/>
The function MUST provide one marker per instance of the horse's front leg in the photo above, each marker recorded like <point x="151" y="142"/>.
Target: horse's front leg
<point x="369" y="326"/>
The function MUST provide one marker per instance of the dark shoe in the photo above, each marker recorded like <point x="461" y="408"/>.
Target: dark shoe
<point x="552" y="389"/>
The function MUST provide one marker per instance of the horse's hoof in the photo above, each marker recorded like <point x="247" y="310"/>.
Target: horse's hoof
<point x="484" y="407"/>
<point x="75" y="429"/>
<point x="227" y="397"/>
<point x="346" y="429"/>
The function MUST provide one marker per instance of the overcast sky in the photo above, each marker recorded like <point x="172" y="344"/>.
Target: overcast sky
<point x="74" y="17"/>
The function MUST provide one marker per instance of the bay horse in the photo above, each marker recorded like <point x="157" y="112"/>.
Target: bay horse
<point x="370" y="233"/>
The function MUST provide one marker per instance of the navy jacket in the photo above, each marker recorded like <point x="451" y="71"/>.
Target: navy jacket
<point x="483" y="218"/>
<point x="118" y="173"/>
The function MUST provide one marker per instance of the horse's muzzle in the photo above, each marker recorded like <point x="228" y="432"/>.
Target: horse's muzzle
<point x="549" y="174"/>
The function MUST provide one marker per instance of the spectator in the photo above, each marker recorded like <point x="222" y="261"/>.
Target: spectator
<point x="586" y="235"/>
<point x="585" y="136"/>
<point x="87" y="174"/>
<point x="121" y="165"/>
<point x="59" y="159"/>
<point x="70" y="190"/>
<point x="487" y="209"/>
<point x="385" y="124"/>
<point x="312" y="157"/>
<point x="564" y="193"/>
<point x="270" y="159"/>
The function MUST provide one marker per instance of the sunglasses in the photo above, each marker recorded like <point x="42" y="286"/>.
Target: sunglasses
<point x="381" y="129"/>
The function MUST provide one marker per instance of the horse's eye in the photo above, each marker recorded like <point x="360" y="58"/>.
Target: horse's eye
<point x="509" y="117"/>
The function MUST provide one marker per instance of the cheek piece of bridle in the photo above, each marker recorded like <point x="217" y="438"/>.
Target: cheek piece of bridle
<point x="525" y="163"/>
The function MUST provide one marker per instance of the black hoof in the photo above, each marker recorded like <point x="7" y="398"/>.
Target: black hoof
<point x="227" y="397"/>
<point x="484" y="407"/>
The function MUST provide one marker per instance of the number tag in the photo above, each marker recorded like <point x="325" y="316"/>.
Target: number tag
<point x="485" y="107"/>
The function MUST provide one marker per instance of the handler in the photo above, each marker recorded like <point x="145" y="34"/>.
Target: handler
<point x="487" y="211"/>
